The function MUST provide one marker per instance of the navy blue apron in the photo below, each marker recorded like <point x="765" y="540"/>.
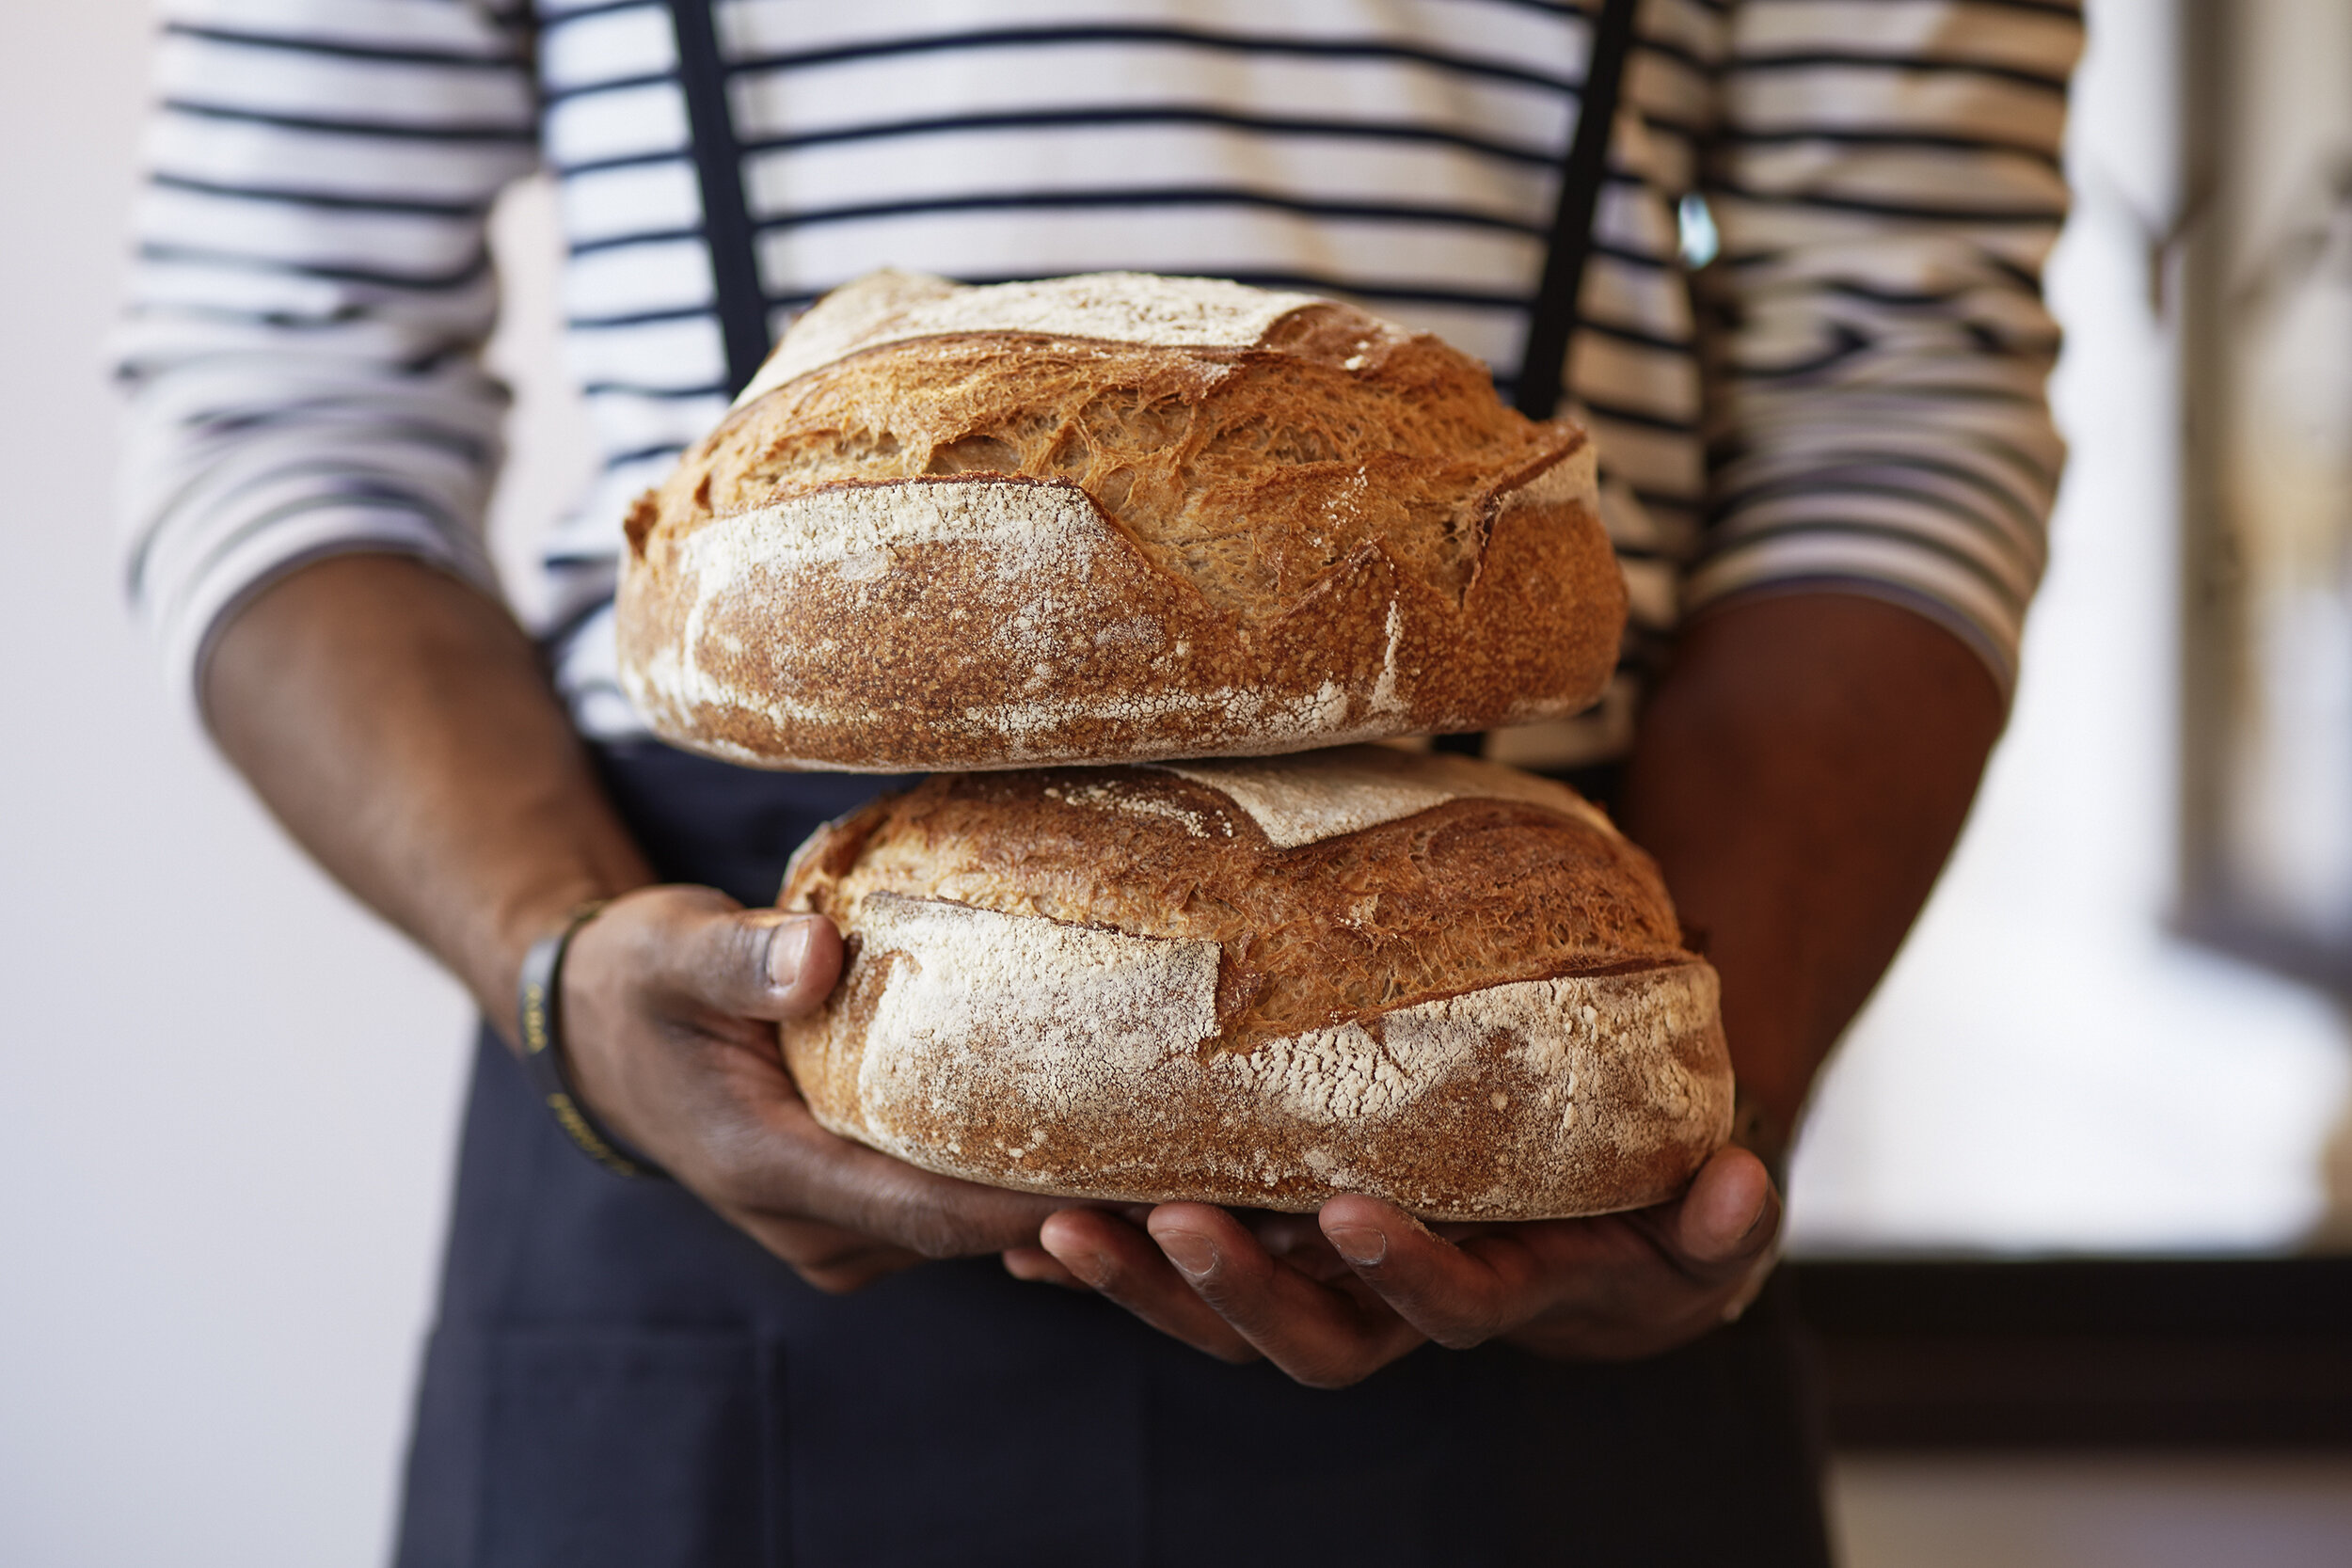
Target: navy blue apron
<point x="617" y="1377"/>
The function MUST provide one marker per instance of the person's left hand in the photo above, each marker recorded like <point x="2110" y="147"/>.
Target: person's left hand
<point x="1332" y="1298"/>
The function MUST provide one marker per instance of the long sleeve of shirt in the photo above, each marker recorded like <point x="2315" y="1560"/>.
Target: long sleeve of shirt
<point x="311" y="293"/>
<point x="1886" y="178"/>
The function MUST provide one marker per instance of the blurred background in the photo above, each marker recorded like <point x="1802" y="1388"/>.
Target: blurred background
<point x="2105" y="1099"/>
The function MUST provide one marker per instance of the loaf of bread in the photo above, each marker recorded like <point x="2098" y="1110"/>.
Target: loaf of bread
<point x="1436" y="980"/>
<point x="1111" y="518"/>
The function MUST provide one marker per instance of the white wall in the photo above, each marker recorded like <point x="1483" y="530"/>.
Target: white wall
<point x="227" y="1096"/>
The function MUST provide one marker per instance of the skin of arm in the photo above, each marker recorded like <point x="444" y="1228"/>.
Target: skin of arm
<point x="399" y="725"/>
<point x="1801" y="774"/>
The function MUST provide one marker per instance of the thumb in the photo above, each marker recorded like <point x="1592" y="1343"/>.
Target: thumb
<point x="797" y="957"/>
<point x="1729" y="1218"/>
<point x="751" y="963"/>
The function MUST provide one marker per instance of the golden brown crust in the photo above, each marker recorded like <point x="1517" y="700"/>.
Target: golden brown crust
<point x="1466" y="894"/>
<point x="1112" y="983"/>
<point x="989" y="549"/>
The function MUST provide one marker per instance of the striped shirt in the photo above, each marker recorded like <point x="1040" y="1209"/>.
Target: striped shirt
<point x="1849" y="393"/>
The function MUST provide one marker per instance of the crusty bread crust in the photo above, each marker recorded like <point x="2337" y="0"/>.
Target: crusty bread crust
<point x="984" y="545"/>
<point x="1434" y="980"/>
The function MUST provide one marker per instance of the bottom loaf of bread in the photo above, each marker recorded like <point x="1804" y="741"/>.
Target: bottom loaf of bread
<point x="1264" y="982"/>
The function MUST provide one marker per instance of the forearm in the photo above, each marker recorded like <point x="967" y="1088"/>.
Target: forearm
<point x="1801" y="775"/>
<point x="398" y="725"/>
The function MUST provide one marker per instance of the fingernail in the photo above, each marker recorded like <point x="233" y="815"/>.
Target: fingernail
<point x="1092" y="1267"/>
<point x="787" y="949"/>
<point x="1360" y="1246"/>
<point x="1194" y="1253"/>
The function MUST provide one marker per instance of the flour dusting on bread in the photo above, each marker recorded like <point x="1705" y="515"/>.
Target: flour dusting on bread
<point x="894" y="307"/>
<point x="1319" y="794"/>
<point x="977" y="1002"/>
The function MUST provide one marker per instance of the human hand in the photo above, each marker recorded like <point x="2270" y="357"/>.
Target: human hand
<point x="1334" y="1297"/>
<point x="670" y="998"/>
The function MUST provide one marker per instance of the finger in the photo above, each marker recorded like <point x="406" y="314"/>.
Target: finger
<point x="1118" y="1261"/>
<point x="1726" y="1220"/>
<point x="1458" y="1295"/>
<point x="844" y="1275"/>
<point x="1323" y="1337"/>
<point x="699" y="945"/>
<point x="834" y="1260"/>
<point x="1667" y="1262"/>
<point x="1034" y="1265"/>
<point x="788" y="1163"/>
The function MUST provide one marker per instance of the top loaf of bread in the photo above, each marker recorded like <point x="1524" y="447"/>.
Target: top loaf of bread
<point x="1107" y="518"/>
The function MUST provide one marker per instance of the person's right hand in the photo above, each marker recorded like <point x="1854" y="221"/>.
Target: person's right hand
<point x="671" y="997"/>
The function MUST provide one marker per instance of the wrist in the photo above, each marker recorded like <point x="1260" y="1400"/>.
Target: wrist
<point x="539" y="1026"/>
<point x="518" y="922"/>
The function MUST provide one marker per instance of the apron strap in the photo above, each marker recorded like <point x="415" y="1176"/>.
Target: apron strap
<point x="741" y="301"/>
<point x="1551" y="318"/>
